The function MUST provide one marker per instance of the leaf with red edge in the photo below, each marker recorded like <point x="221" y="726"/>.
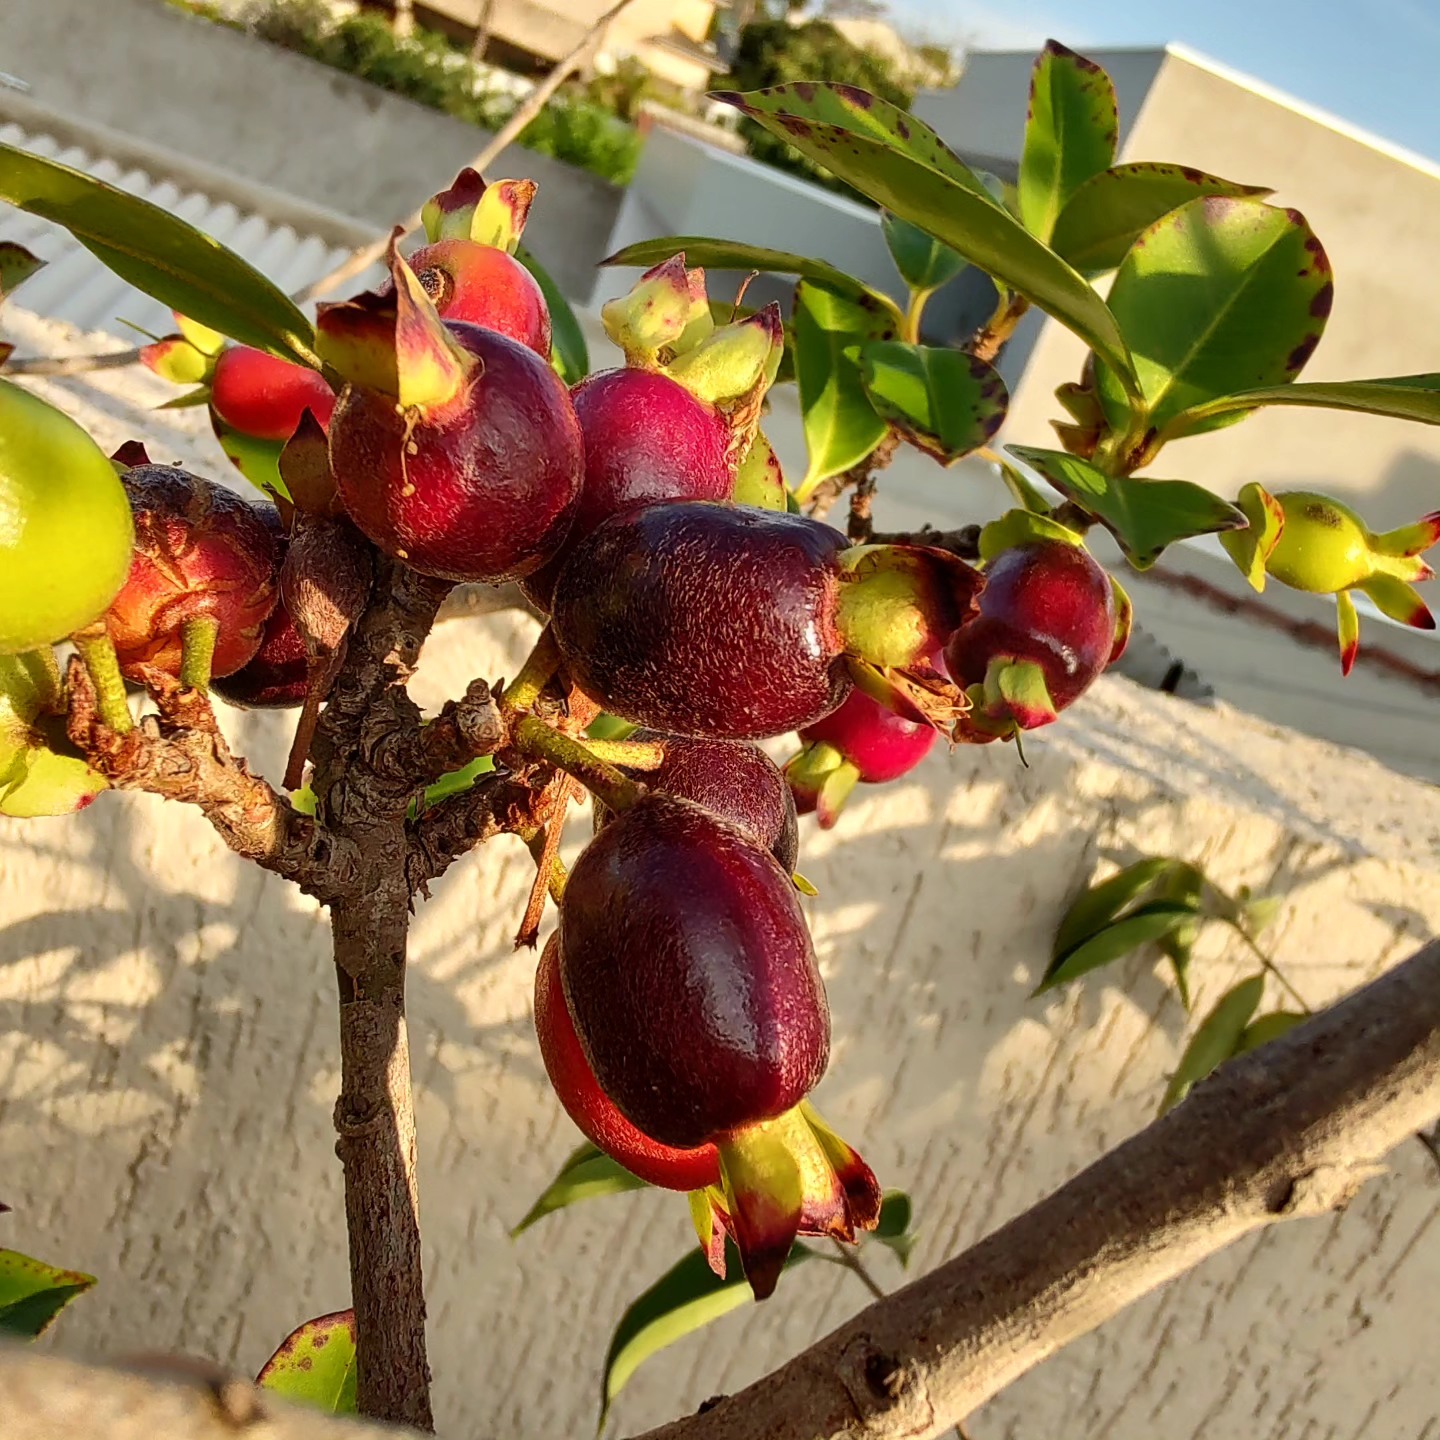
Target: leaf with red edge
<point x="33" y="1293"/>
<point x="315" y="1365"/>
<point x="17" y="265"/>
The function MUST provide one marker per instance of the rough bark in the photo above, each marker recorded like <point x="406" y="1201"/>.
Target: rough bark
<point x="1292" y="1130"/>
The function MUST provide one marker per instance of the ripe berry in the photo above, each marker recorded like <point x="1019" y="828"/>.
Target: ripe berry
<point x="588" y="1105"/>
<point x="478" y="487"/>
<point x="263" y="396"/>
<point x="200" y="551"/>
<point x="734" y="780"/>
<point x="65" y="527"/>
<point x="862" y="740"/>
<point x="1046" y="630"/>
<point x="482" y="285"/>
<point x="277" y="676"/>
<point x="647" y="439"/>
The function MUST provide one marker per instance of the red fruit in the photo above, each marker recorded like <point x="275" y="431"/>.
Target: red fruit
<point x="264" y="397"/>
<point x="278" y="675"/>
<point x="200" y="550"/>
<point x="734" y="780"/>
<point x="1046" y="629"/>
<point x="862" y="740"/>
<point x="482" y="285"/>
<point x="647" y="439"/>
<point x="481" y="487"/>
<point x="591" y="1109"/>
<point x="705" y="620"/>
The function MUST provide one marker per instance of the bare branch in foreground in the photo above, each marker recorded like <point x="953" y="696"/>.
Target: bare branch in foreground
<point x="1294" y="1129"/>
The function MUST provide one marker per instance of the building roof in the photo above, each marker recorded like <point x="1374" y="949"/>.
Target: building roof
<point x="681" y="44"/>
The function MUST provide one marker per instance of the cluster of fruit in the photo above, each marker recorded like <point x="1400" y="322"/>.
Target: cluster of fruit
<point x="680" y="1010"/>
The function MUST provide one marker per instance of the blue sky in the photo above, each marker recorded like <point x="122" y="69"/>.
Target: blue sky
<point x="1375" y="63"/>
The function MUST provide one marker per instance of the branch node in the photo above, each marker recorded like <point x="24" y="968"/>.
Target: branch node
<point x="1318" y="1191"/>
<point x="882" y="1385"/>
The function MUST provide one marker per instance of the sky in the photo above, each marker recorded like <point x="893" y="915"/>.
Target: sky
<point x="1374" y="63"/>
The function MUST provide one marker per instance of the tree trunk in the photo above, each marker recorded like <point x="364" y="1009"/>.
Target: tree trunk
<point x="482" y="31"/>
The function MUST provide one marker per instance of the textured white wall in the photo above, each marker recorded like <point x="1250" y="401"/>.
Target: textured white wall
<point x="167" y="1073"/>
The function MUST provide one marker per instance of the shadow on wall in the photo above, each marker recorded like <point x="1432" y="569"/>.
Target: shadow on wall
<point x="168" y="1063"/>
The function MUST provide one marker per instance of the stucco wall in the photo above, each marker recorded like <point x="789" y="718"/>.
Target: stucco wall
<point x="167" y="1054"/>
<point x="281" y="120"/>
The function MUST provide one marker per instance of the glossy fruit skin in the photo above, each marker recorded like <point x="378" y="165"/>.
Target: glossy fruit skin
<point x="732" y="779"/>
<point x="1324" y="545"/>
<point x="482" y="489"/>
<point x="265" y="397"/>
<point x="707" y="620"/>
<point x="200" y="550"/>
<point x="647" y="439"/>
<point x="277" y="677"/>
<point x="591" y="1109"/>
<point x="689" y="973"/>
<point x="1047" y="602"/>
<point x="879" y="743"/>
<point x="65" y="527"/>
<point x="482" y="285"/>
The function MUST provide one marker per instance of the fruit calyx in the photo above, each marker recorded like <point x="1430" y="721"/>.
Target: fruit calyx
<point x="665" y="313"/>
<point x="395" y="343"/>
<point x="491" y="214"/>
<point x="896" y="608"/>
<point x="780" y="1179"/>
<point x="821" y="779"/>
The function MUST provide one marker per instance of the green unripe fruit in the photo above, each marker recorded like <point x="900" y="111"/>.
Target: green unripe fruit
<point x="65" y="528"/>
<point x="1324" y="546"/>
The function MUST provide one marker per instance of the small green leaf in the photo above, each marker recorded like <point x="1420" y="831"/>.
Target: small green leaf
<point x="1096" y="907"/>
<point x="315" y="1365"/>
<point x="1102" y="219"/>
<point x="944" y="402"/>
<point x="587" y="1174"/>
<point x="1070" y="134"/>
<point x="1142" y="927"/>
<point x="1398" y="397"/>
<point x="257" y="460"/>
<point x="159" y="253"/>
<point x="1178" y="947"/>
<point x="1223" y="294"/>
<point x="458" y="781"/>
<point x="17" y="265"/>
<point x="893" y="1228"/>
<point x="1144" y="515"/>
<point x="33" y="1293"/>
<point x="1216" y="1040"/>
<point x="841" y="426"/>
<point x="920" y="180"/>
<point x="923" y="262"/>
<point x="1267" y="1028"/>
<point x="685" y="1298"/>
<point x="568" y="351"/>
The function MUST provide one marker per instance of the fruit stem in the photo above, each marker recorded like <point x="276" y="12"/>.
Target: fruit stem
<point x="45" y="669"/>
<point x="910" y="330"/>
<point x="197" y="651"/>
<point x="632" y="754"/>
<point x="535" y="738"/>
<point x="535" y="674"/>
<point x="97" y="650"/>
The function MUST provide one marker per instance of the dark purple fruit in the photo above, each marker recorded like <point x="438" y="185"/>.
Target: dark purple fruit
<point x="705" y="619"/>
<point x="689" y="973"/>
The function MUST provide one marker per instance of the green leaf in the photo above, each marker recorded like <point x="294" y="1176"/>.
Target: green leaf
<point x="1178" y="947"/>
<point x="568" y="352"/>
<point x="33" y="1293"/>
<point x="950" y="202"/>
<point x="1267" y="1028"/>
<point x="1143" y="927"/>
<point x="458" y="781"/>
<point x="1216" y="1040"/>
<point x="257" y="460"/>
<point x="159" y="253"/>
<point x="841" y="426"/>
<point x="17" y="265"/>
<point x="1102" y="219"/>
<point x="923" y="262"/>
<point x="1397" y="397"/>
<point x="1096" y="907"/>
<point x="685" y="1298"/>
<point x="315" y="1365"/>
<point x="1223" y="294"/>
<point x="893" y="1228"/>
<point x="944" y="402"/>
<point x="1070" y="134"/>
<point x="1144" y="515"/>
<point x="587" y="1174"/>
<point x="737" y="255"/>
